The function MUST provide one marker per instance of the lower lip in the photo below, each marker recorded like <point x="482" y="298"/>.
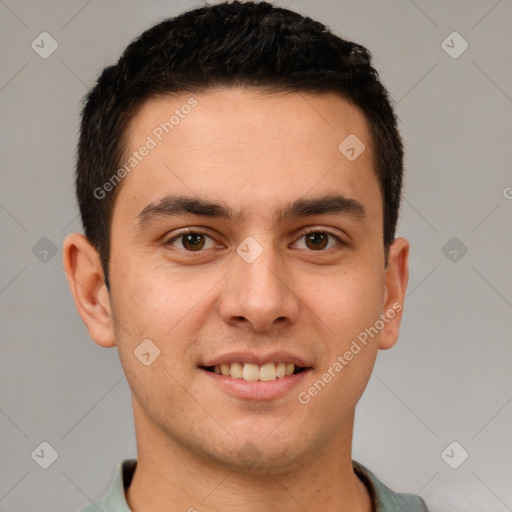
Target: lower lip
<point x="256" y="389"/>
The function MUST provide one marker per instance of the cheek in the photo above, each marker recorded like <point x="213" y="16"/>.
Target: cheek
<point x="346" y="301"/>
<point x="170" y="309"/>
<point x="153" y="301"/>
<point x="352" y="304"/>
<point x="151" y="339"/>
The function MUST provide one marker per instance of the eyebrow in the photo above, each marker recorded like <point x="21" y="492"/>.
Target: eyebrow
<point x="175" y="205"/>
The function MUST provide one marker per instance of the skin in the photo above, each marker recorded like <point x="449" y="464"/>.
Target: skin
<point x="254" y="153"/>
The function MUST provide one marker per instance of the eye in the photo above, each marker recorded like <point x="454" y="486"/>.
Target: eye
<point x="196" y="241"/>
<point x="192" y="241"/>
<point x="320" y="240"/>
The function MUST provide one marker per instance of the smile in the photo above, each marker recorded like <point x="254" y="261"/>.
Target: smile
<point x="254" y="372"/>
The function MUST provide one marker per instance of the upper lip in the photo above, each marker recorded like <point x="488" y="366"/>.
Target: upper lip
<point x="260" y="359"/>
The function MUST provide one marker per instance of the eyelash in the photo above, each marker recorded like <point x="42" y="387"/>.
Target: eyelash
<point x="170" y="241"/>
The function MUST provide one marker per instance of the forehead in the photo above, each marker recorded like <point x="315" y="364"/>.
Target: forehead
<point x="251" y="149"/>
<point x="260" y="114"/>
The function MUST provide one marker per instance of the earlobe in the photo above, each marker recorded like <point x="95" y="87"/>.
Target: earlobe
<point x="397" y="277"/>
<point x="84" y="273"/>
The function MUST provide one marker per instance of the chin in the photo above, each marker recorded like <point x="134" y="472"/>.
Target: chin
<point x="263" y="452"/>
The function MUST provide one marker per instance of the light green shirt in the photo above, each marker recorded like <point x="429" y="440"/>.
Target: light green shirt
<point x="383" y="498"/>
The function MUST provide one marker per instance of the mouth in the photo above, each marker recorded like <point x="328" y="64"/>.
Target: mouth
<point x="256" y="372"/>
<point x="248" y="376"/>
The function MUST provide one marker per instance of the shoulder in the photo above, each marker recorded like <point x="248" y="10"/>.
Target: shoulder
<point x="94" y="507"/>
<point x="115" y="500"/>
<point x="385" y="499"/>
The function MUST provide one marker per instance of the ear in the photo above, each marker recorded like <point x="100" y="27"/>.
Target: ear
<point x="82" y="264"/>
<point x="397" y="277"/>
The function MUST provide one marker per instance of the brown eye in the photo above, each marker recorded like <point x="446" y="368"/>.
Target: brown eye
<point x="193" y="241"/>
<point x="317" y="241"/>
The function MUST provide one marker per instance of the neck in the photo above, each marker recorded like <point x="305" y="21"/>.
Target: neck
<point x="170" y="477"/>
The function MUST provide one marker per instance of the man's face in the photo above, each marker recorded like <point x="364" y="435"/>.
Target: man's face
<point x="262" y="283"/>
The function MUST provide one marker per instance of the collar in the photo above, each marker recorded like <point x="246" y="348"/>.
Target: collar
<point x="382" y="497"/>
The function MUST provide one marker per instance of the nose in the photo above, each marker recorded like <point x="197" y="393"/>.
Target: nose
<point x="259" y="295"/>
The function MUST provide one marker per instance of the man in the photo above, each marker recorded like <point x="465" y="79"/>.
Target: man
<point x="239" y="175"/>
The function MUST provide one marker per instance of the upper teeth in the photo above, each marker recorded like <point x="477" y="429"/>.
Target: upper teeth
<point x="250" y="371"/>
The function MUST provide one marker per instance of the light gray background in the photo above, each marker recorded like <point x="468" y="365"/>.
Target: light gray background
<point x="448" y="378"/>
